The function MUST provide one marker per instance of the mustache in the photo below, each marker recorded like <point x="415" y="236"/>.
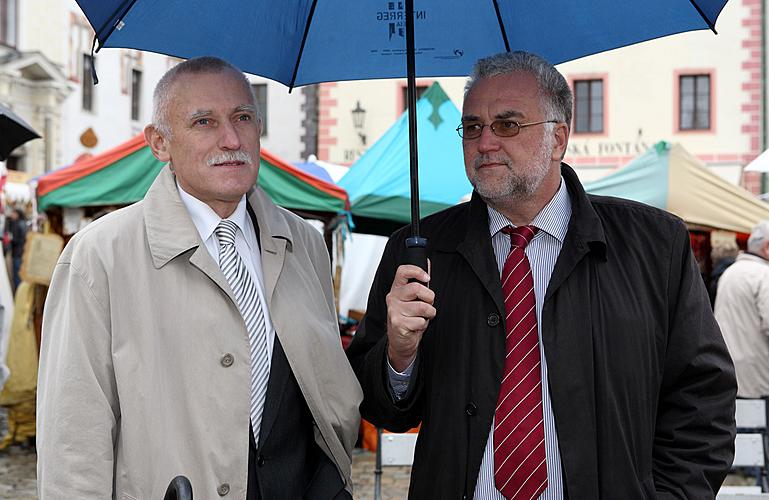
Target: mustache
<point x="230" y="156"/>
<point x="485" y="158"/>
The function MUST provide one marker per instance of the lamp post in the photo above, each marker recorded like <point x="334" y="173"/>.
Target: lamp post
<point x="358" y="117"/>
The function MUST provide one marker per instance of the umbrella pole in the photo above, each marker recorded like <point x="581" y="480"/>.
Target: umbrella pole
<point x="416" y="247"/>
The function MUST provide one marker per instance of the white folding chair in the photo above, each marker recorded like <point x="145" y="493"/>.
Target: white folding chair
<point x="750" y="444"/>
<point x="392" y="449"/>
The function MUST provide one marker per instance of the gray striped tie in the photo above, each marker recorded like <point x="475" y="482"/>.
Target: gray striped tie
<point x="247" y="296"/>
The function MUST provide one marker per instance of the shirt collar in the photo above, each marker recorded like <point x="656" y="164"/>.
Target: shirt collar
<point x="206" y="220"/>
<point x="553" y="219"/>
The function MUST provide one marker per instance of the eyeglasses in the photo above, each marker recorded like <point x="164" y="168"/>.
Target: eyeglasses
<point x="500" y="128"/>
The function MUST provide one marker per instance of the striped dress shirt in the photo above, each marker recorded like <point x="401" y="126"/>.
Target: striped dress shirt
<point x="553" y="222"/>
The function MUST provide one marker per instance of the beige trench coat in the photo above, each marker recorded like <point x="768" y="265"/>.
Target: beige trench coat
<point x="134" y="388"/>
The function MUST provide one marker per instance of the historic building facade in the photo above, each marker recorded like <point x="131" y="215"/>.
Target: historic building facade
<point x="46" y="77"/>
<point x="702" y="90"/>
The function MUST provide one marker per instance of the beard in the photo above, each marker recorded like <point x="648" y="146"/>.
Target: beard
<point x="516" y="183"/>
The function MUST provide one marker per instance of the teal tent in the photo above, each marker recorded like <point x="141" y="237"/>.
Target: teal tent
<point x="669" y="177"/>
<point x="378" y="183"/>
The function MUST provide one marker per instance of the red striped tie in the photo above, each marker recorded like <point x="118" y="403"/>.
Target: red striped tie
<point x="520" y="471"/>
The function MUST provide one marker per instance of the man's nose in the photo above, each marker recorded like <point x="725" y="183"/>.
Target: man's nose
<point x="229" y="138"/>
<point x="487" y="141"/>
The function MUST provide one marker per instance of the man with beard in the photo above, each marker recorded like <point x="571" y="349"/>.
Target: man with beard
<point x="562" y="345"/>
<point x="194" y="332"/>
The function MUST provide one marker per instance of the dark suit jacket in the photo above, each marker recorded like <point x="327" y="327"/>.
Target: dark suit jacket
<point x="641" y="383"/>
<point x="288" y="464"/>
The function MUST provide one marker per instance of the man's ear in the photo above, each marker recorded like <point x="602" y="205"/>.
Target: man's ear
<point x="561" y="132"/>
<point x="158" y="143"/>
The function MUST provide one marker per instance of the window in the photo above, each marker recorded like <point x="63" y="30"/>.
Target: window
<point x="260" y="92"/>
<point x="694" y="99"/>
<point x="588" y="106"/>
<point x="8" y="22"/>
<point x="405" y="94"/>
<point x="88" y="89"/>
<point x="136" y="93"/>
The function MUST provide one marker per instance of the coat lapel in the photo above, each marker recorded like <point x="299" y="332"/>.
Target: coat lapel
<point x="475" y="247"/>
<point x="585" y="233"/>
<point x="568" y="342"/>
<point x="171" y="232"/>
<point x="274" y="238"/>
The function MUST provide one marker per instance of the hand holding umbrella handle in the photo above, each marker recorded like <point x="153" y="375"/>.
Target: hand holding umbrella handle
<point x="179" y="489"/>
<point x="416" y="252"/>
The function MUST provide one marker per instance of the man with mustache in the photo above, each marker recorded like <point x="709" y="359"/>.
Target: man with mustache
<point x="562" y="345"/>
<point x="194" y="333"/>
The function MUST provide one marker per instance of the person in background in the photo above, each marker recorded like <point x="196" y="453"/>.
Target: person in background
<point x="194" y="332"/>
<point x="562" y="345"/>
<point x="742" y="311"/>
<point x="16" y="228"/>
<point x="722" y="255"/>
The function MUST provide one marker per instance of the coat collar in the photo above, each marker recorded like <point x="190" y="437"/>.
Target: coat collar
<point x="171" y="232"/>
<point x="584" y="228"/>
<point x="585" y="234"/>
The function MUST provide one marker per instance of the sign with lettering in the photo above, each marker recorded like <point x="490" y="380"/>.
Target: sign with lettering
<point x="41" y="252"/>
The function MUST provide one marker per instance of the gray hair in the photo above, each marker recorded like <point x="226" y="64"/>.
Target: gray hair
<point x="556" y="98"/>
<point x="723" y="250"/>
<point x="161" y="98"/>
<point x="758" y="237"/>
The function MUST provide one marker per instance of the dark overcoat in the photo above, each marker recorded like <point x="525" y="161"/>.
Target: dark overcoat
<point x="641" y="383"/>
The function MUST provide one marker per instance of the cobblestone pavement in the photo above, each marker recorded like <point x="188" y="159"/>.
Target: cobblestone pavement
<point x="17" y="476"/>
<point x="17" y="473"/>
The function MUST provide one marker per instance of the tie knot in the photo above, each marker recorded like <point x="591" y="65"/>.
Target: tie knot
<point x="520" y="236"/>
<point x="225" y="232"/>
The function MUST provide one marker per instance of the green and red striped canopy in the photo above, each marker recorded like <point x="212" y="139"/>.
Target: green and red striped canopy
<point x="123" y="175"/>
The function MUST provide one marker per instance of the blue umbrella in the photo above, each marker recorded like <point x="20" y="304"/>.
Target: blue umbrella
<point x="299" y="42"/>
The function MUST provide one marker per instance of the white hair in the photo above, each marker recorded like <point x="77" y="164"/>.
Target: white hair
<point x="758" y="237"/>
<point x="163" y="94"/>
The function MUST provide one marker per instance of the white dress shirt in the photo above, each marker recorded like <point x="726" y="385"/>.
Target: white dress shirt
<point x="246" y="244"/>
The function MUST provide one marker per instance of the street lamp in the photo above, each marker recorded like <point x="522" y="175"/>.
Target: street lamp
<point x="358" y="117"/>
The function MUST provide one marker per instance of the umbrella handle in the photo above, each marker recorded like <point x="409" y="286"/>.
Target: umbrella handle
<point x="179" y="489"/>
<point x="416" y="252"/>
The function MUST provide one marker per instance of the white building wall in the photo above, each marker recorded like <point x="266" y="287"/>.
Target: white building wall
<point x="641" y="96"/>
<point x="641" y="100"/>
<point x="284" y="120"/>
<point x="63" y="35"/>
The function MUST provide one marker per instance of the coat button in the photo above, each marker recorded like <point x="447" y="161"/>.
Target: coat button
<point x="471" y="409"/>
<point x="227" y="360"/>
<point x="492" y="319"/>
<point x="223" y="489"/>
<point x="260" y="460"/>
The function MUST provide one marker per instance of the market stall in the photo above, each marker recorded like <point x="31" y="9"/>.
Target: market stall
<point x="669" y="177"/>
<point x="378" y="183"/>
<point x="76" y="194"/>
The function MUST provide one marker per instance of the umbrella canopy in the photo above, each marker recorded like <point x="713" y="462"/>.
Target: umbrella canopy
<point x="13" y="132"/>
<point x="123" y="175"/>
<point x="309" y="41"/>
<point x="378" y="184"/>
<point x="669" y="177"/>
